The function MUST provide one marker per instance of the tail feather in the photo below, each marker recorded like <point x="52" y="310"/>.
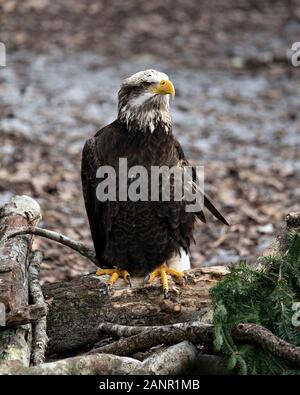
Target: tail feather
<point x="208" y="204"/>
<point x="201" y="216"/>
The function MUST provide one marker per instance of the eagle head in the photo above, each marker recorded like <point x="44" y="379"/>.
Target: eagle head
<point x="144" y="101"/>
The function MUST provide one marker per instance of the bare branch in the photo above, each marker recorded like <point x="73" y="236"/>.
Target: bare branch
<point x="59" y="238"/>
<point x="258" y="334"/>
<point x="137" y="338"/>
<point x="39" y="334"/>
<point x="195" y="332"/>
<point x="127" y="331"/>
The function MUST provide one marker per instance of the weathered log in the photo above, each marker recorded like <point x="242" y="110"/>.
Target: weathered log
<point x="83" y="365"/>
<point x="76" y="308"/>
<point x="176" y="359"/>
<point x="20" y="212"/>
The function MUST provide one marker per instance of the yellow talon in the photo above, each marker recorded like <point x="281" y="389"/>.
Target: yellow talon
<point x="164" y="279"/>
<point x="163" y="271"/>
<point x="114" y="275"/>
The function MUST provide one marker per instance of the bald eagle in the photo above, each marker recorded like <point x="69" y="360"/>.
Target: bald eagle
<point x="142" y="237"/>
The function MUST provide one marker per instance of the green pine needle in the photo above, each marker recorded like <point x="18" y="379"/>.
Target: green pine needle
<point x="264" y="297"/>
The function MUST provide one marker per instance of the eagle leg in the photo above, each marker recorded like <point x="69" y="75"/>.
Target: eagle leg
<point x="163" y="272"/>
<point x="114" y="275"/>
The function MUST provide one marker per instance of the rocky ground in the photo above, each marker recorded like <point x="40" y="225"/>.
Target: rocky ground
<point x="236" y="110"/>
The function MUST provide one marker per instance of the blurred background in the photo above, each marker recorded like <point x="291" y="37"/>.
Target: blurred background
<point x="236" y="110"/>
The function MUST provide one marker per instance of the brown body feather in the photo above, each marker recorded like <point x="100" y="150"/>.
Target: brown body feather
<point x="136" y="236"/>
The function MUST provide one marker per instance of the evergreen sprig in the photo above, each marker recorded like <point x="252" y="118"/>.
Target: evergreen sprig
<point x="261" y="296"/>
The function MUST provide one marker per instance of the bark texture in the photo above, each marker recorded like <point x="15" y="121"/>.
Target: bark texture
<point x="20" y="212"/>
<point x="39" y="327"/>
<point x="84" y="365"/>
<point x="76" y="308"/>
<point x="174" y="360"/>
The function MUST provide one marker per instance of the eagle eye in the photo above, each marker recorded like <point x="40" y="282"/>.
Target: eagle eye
<point x="145" y="83"/>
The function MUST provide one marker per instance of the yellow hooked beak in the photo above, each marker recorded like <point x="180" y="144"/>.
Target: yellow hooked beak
<point x="165" y="87"/>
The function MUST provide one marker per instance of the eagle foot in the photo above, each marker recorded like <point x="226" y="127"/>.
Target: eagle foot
<point x="114" y="276"/>
<point x="163" y="271"/>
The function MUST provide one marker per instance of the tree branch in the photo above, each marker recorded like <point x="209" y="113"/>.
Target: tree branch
<point x="258" y="334"/>
<point x="39" y="334"/>
<point x="127" y="331"/>
<point x="137" y="338"/>
<point x="147" y="337"/>
<point x="59" y="238"/>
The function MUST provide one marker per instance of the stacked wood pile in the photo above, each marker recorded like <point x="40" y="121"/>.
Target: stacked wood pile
<point x="80" y="327"/>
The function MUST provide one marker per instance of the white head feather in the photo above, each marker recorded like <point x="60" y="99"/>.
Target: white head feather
<point x="134" y="109"/>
